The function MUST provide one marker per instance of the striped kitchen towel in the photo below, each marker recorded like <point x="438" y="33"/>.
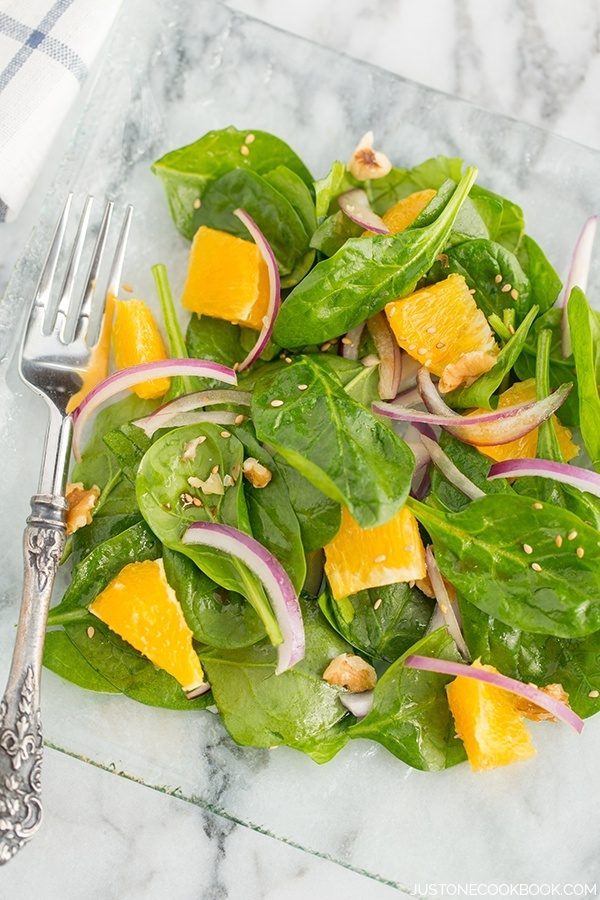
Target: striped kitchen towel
<point x="46" y="50"/>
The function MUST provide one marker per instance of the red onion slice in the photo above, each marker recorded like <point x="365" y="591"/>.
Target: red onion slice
<point x="127" y="378"/>
<point x="578" y="276"/>
<point x="445" y="604"/>
<point x="500" y="426"/>
<point x="164" y="415"/>
<point x="360" y="705"/>
<point x="576" y="477"/>
<point x="351" y="342"/>
<point x="410" y="368"/>
<point x="390" y="360"/>
<point x="355" y="205"/>
<point x="273" y="577"/>
<point x="528" y="691"/>
<point x="274" y="288"/>
<point x="451" y="472"/>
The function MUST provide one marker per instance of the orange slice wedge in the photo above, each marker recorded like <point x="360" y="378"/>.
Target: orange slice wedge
<point x="136" y="340"/>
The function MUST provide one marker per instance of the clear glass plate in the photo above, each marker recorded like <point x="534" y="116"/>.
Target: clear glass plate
<point x="174" y="70"/>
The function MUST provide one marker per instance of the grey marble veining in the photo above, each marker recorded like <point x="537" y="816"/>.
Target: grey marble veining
<point x="195" y="67"/>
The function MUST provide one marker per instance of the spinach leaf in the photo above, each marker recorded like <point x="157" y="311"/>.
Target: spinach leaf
<point x="468" y="224"/>
<point x="585" y="338"/>
<point x="333" y="232"/>
<point x="471" y="463"/>
<point x="362" y="277"/>
<point x="271" y="210"/>
<point x="360" y="382"/>
<point x="116" y="511"/>
<point x="333" y="441"/>
<point x="542" y="659"/>
<point x="480" y="551"/>
<point x="544" y="283"/>
<point x="187" y="171"/>
<point x="297" y="708"/>
<point x="328" y="189"/>
<point x="218" y="618"/>
<point x="319" y="516"/>
<point x="128" y="444"/>
<point x="480" y="392"/>
<point x="162" y="487"/>
<point x="480" y="262"/>
<point x="214" y="339"/>
<point x="506" y="223"/>
<point x="383" y="633"/>
<point x="410" y="716"/>
<point x="294" y="189"/>
<point x="63" y="658"/>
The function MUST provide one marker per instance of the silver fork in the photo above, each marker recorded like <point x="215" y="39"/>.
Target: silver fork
<point x="57" y="344"/>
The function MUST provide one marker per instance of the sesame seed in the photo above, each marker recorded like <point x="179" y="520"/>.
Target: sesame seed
<point x="538" y="505"/>
<point x="580" y="551"/>
<point x="377" y="603"/>
<point x="409" y="548"/>
<point x="239" y="419"/>
<point x="422" y="351"/>
<point x="514" y="294"/>
<point x="197" y="203"/>
<point x="527" y="548"/>
<point x="558" y="540"/>
<point x="91" y="631"/>
<point x="276" y="402"/>
<point x="245" y="151"/>
<point x="506" y="287"/>
<point x="225" y="434"/>
<point x="471" y="291"/>
<point x="302" y="387"/>
<point x="380" y="559"/>
<point x="347" y="341"/>
<point x="196" y="501"/>
<point x="325" y="347"/>
<point x="536" y="567"/>
<point x="250" y="138"/>
<point x="572" y="535"/>
<point x="593" y="694"/>
<point x="214" y="470"/>
<point x="440" y="345"/>
<point x="498" y="278"/>
<point x="412" y="346"/>
<point x="127" y="287"/>
<point x="431" y="330"/>
<point x="287" y="359"/>
<point x="427" y="363"/>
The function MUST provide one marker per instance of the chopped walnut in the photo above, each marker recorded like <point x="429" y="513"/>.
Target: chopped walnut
<point x="366" y="163"/>
<point x="466" y="369"/>
<point x="257" y="474"/>
<point x="80" y="503"/>
<point x="536" y="713"/>
<point x="212" y="485"/>
<point x="351" y="672"/>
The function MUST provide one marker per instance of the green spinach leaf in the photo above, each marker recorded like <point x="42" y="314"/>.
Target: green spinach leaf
<point x="319" y="516"/>
<point x="333" y="232"/>
<point x="544" y="283"/>
<point x="62" y="657"/>
<point x="585" y="338"/>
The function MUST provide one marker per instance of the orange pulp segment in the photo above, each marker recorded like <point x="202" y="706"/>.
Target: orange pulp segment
<point x="526" y="446"/>
<point x="403" y="213"/>
<point x="488" y="722"/>
<point x="359" y="558"/>
<point x="227" y="278"/>
<point x="141" y="607"/>
<point x="97" y="369"/>
<point x="136" y="340"/>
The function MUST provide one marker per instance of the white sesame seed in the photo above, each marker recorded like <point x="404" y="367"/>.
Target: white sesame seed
<point x="412" y="346"/>
<point x="422" y="351"/>
<point x="471" y="291"/>
<point x="239" y="419"/>
<point x="572" y="535"/>
<point x="593" y="694"/>
<point x="302" y="387"/>
<point x="91" y="631"/>
<point x="498" y="278"/>
<point x="287" y="359"/>
<point x="440" y="345"/>
<point x="427" y="363"/>
<point x="250" y="138"/>
<point x="377" y="603"/>
<point x="558" y="540"/>
<point x="245" y="151"/>
<point x="506" y="288"/>
<point x="196" y="501"/>
<point x="536" y="567"/>
<point x="214" y="470"/>
<point x="326" y="346"/>
<point x="225" y="434"/>
<point x="381" y="558"/>
<point x="514" y="294"/>
<point x="197" y="203"/>
<point x="347" y="341"/>
<point x="432" y="329"/>
<point x="276" y="402"/>
<point x="538" y="505"/>
<point x="527" y="548"/>
<point x="409" y="548"/>
<point x="580" y="551"/>
<point x="127" y="287"/>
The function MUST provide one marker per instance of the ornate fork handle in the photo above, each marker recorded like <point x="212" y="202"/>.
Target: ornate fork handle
<point x="20" y="725"/>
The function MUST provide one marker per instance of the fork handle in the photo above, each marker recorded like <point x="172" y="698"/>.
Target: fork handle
<point x="20" y="725"/>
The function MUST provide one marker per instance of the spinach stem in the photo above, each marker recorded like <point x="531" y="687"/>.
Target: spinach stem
<point x="177" y="348"/>
<point x="499" y="327"/>
<point x="548" y="446"/>
<point x="69" y="615"/>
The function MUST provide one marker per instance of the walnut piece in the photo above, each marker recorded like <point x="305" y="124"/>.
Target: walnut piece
<point x="257" y="474"/>
<point x="536" y="713"/>
<point x="212" y="485"/>
<point x="465" y="370"/>
<point x="80" y="503"/>
<point x="351" y="672"/>
<point x="366" y="163"/>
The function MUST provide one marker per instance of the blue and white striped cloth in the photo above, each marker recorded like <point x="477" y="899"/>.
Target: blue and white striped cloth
<point x="46" y="50"/>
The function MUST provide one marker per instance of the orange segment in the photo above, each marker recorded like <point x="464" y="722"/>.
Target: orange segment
<point x="359" y="558"/>
<point x="141" y="607"/>
<point x="488" y="723"/>
<point x="97" y="369"/>
<point x="136" y="340"/>
<point x="439" y="324"/>
<point x="526" y="446"/>
<point x="227" y="278"/>
<point x="403" y="213"/>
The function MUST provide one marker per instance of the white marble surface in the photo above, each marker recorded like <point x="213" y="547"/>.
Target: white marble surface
<point x="516" y="56"/>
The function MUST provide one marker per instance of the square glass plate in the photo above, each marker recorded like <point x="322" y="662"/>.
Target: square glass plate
<point x="174" y="70"/>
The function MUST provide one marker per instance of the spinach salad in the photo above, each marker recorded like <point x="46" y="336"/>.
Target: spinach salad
<point x="358" y="498"/>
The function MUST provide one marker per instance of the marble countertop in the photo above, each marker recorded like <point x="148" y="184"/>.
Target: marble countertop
<point x="518" y="57"/>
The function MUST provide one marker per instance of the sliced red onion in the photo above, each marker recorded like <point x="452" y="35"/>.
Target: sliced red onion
<point x="351" y="343"/>
<point x="578" y="276"/>
<point x="196" y="417"/>
<point x="355" y="205"/>
<point x="273" y="577"/>
<point x="500" y="426"/>
<point x="360" y="705"/>
<point x="408" y="397"/>
<point x="445" y="604"/>
<point x="450" y="471"/>
<point x="410" y="368"/>
<point x="528" y="691"/>
<point x="127" y="378"/>
<point x="162" y="416"/>
<point x="390" y="360"/>
<point x="576" y="477"/>
<point x="420" y="480"/>
<point x="274" y="288"/>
